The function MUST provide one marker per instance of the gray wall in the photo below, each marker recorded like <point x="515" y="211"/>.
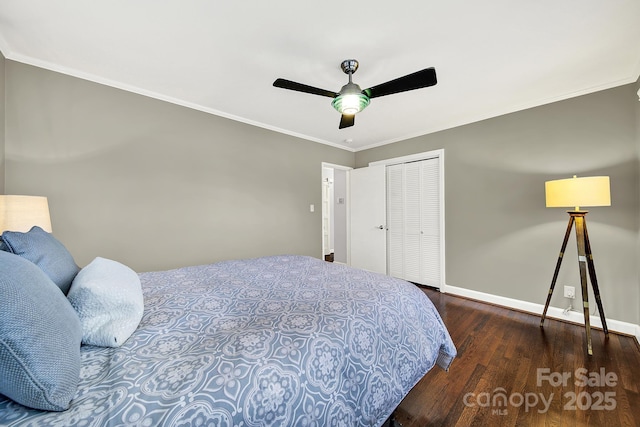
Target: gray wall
<point x="637" y="89"/>
<point x="2" y="114"/>
<point x="155" y="185"/>
<point x="500" y="238"/>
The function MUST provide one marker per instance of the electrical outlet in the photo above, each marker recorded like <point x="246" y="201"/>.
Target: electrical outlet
<point x="569" y="292"/>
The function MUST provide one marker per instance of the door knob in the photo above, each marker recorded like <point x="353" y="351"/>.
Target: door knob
<point x="381" y="227"/>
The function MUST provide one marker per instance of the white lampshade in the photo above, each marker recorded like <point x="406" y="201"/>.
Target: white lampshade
<point x="20" y="213"/>
<point x="576" y="192"/>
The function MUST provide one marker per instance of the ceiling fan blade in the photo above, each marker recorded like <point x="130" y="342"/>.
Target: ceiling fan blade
<point x="288" y="84"/>
<point x="417" y="80"/>
<point x="347" y="120"/>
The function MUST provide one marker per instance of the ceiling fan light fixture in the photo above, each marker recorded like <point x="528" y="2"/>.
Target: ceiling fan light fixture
<point x="351" y="100"/>
<point x="351" y="103"/>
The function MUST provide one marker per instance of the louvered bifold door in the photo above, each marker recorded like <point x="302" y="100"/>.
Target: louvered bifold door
<point x="413" y="222"/>
<point x="430" y="250"/>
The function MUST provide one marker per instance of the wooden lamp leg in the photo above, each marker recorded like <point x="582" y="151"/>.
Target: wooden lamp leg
<point x="557" y="270"/>
<point x="594" y="280"/>
<point x="582" y="264"/>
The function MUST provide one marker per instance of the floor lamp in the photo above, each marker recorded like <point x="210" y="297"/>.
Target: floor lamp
<point x="577" y="192"/>
<point x="20" y="213"/>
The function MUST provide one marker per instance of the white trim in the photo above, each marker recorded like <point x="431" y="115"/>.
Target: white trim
<point x="335" y="166"/>
<point x="344" y="168"/>
<point x="411" y="158"/>
<point x="490" y="114"/>
<point x="4" y="48"/>
<point x="28" y="60"/>
<point x="156" y="95"/>
<point x="553" y="312"/>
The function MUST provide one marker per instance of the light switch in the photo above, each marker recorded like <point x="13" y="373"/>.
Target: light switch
<point x="312" y="208"/>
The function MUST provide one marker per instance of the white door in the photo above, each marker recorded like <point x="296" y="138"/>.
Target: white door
<point x="414" y="218"/>
<point x="431" y="231"/>
<point x="368" y="236"/>
<point x="395" y="220"/>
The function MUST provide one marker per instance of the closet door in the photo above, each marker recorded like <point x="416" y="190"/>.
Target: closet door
<point x="413" y="220"/>
<point x="430" y="232"/>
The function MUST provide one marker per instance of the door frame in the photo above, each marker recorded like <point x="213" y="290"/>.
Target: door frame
<point x="347" y="228"/>
<point x="439" y="154"/>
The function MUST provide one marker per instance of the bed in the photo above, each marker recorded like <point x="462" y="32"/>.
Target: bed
<point x="271" y="341"/>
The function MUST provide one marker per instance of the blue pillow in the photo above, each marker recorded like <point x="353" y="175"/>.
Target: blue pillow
<point x="46" y="252"/>
<point x="40" y="336"/>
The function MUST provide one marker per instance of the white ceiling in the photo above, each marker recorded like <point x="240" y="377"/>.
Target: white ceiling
<point x="492" y="57"/>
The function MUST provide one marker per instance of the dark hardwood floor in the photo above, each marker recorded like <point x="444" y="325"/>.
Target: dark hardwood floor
<point x="510" y="372"/>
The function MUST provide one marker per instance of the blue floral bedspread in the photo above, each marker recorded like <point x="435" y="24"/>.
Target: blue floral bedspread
<point x="273" y="341"/>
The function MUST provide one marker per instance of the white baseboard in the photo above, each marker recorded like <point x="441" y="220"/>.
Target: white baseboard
<point x="553" y="312"/>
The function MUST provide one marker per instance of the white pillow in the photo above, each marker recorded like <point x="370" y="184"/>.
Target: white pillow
<point x="107" y="296"/>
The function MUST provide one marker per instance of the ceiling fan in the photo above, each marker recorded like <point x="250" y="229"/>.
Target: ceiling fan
<point x="351" y="99"/>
